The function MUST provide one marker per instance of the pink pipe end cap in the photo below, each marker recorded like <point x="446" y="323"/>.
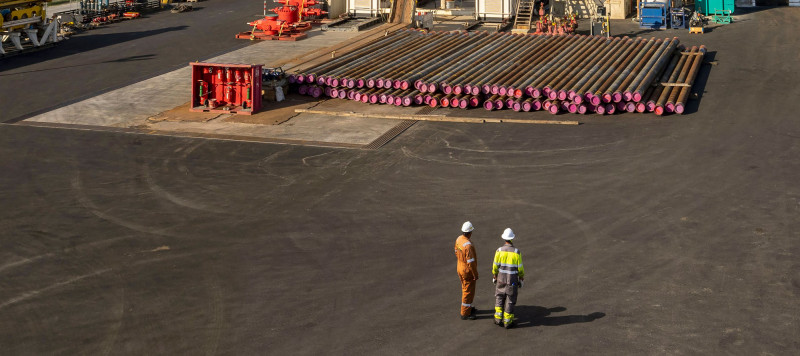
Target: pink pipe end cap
<point x="351" y="83"/>
<point x="499" y="104"/>
<point x="334" y="93"/>
<point x="637" y="97"/>
<point x="509" y="102"/>
<point x="303" y="90"/>
<point x="546" y="105"/>
<point x="627" y="96"/>
<point x="606" y="98"/>
<point x="577" y="99"/>
<point x="571" y="95"/>
<point x="360" y="83"/>
<point x="528" y="91"/>
<point x="474" y="102"/>
<point x="494" y="89"/>
<point x="292" y="79"/>
<point x="616" y="97"/>
<point x="630" y="107"/>
<point x="373" y="98"/>
<point x="486" y="89"/>
<point x="562" y="95"/>
<point x="370" y="83"/>
<point x="620" y="106"/>
<point x="572" y="108"/>
<point x="650" y="106"/>
<point x="398" y="101"/>
<point x="357" y="96"/>
<point x="316" y="92"/>
<point x="311" y="78"/>
<point x="536" y="93"/>
<point x="582" y="109"/>
<point x="468" y="88"/>
<point x="351" y="95"/>
<point x="516" y="106"/>
<point x="433" y="102"/>
<point x="611" y="108"/>
<point x="536" y="105"/>
<point x="488" y="105"/>
<point x="457" y="90"/>
<point x="397" y="84"/>
<point x="502" y="90"/>
<point x="640" y="107"/>
<point x="679" y="108"/>
<point x="552" y="95"/>
<point x="335" y="82"/>
<point x="670" y="107"/>
<point x="463" y="104"/>
<point x="546" y="91"/>
<point x="595" y="100"/>
<point x="447" y="89"/>
<point x="365" y="99"/>
<point x="455" y="103"/>
<point x="659" y="110"/>
<point x="476" y="90"/>
<point x="526" y="106"/>
<point x="418" y="99"/>
<point x="418" y="84"/>
<point x="600" y="109"/>
<point x="553" y="109"/>
<point x="431" y="88"/>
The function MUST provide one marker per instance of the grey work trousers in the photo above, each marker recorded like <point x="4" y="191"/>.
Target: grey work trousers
<point x="505" y="299"/>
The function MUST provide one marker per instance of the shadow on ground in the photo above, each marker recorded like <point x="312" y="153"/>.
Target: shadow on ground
<point x="81" y="43"/>
<point x="530" y="315"/>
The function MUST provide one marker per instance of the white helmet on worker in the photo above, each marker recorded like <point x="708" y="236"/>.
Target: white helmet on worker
<point x="508" y="235"/>
<point x="467" y="227"/>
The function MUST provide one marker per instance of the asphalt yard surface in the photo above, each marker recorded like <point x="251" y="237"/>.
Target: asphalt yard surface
<point x="122" y="53"/>
<point x="640" y="235"/>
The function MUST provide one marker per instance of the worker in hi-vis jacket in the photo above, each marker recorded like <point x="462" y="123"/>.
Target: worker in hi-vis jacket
<point x="467" y="269"/>
<point x="507" y="275"/>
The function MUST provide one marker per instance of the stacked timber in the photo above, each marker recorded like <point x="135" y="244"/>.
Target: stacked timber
<point x="522" y="72"/>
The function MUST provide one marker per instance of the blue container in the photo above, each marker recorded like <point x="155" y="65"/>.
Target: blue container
<point x="653" y="15"/>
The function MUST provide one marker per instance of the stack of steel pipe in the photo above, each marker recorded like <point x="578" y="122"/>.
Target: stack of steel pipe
<point x="576" y="74"/>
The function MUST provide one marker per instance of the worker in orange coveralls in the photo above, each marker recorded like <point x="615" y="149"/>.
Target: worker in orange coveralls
<point x="467" y="269"/>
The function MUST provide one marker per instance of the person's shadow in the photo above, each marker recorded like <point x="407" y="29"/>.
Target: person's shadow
<point x="530" y="315"/>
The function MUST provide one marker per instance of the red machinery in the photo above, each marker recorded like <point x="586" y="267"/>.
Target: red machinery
<point x="230" y="88"/>
<point x="289" y="23"/>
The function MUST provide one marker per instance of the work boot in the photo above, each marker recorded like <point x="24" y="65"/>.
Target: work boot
<point x="468" y="317"/>
<point x="509" y="325"/>
<point x="498" y="322"/>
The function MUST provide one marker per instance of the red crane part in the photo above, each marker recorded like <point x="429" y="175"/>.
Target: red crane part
<point x="229" y="88"/>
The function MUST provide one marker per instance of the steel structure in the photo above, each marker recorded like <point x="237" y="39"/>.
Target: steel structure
<point x="24" y="25"/>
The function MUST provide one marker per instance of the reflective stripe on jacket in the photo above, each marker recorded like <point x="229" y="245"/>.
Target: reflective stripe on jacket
<point x="507" y="264"/>
<point x="467" y="258"/>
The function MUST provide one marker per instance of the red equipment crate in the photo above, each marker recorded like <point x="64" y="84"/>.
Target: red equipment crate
<point x="229" y="88"/>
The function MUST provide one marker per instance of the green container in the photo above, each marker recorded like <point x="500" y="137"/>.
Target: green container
<point x="709" y="7"/>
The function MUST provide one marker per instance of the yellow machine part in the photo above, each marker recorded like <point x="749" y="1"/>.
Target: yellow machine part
<point x="21" y="9"/>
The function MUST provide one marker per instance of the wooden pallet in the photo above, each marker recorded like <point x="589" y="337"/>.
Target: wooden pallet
<point x="264" y="37"/>
<point x="695" y="30"/>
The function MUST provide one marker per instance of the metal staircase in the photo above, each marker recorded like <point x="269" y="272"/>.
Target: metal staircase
<point x="524" y="16"/>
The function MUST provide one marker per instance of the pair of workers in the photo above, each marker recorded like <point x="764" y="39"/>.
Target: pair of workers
<point x="507" y="275"/>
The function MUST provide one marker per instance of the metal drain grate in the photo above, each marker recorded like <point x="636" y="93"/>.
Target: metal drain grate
<point x="425" y="110"/>
<point x="389" y="135"/>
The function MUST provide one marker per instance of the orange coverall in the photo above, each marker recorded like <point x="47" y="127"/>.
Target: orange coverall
<point x="467" y="269"/>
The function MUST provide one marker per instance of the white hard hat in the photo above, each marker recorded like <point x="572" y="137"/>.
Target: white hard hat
<point x="467" y="227"/>
<point x="508" y="235"/>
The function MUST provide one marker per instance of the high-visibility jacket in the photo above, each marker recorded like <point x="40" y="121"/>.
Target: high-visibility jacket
<point x="507" y="265"/>
<point x="467" y="258"/>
